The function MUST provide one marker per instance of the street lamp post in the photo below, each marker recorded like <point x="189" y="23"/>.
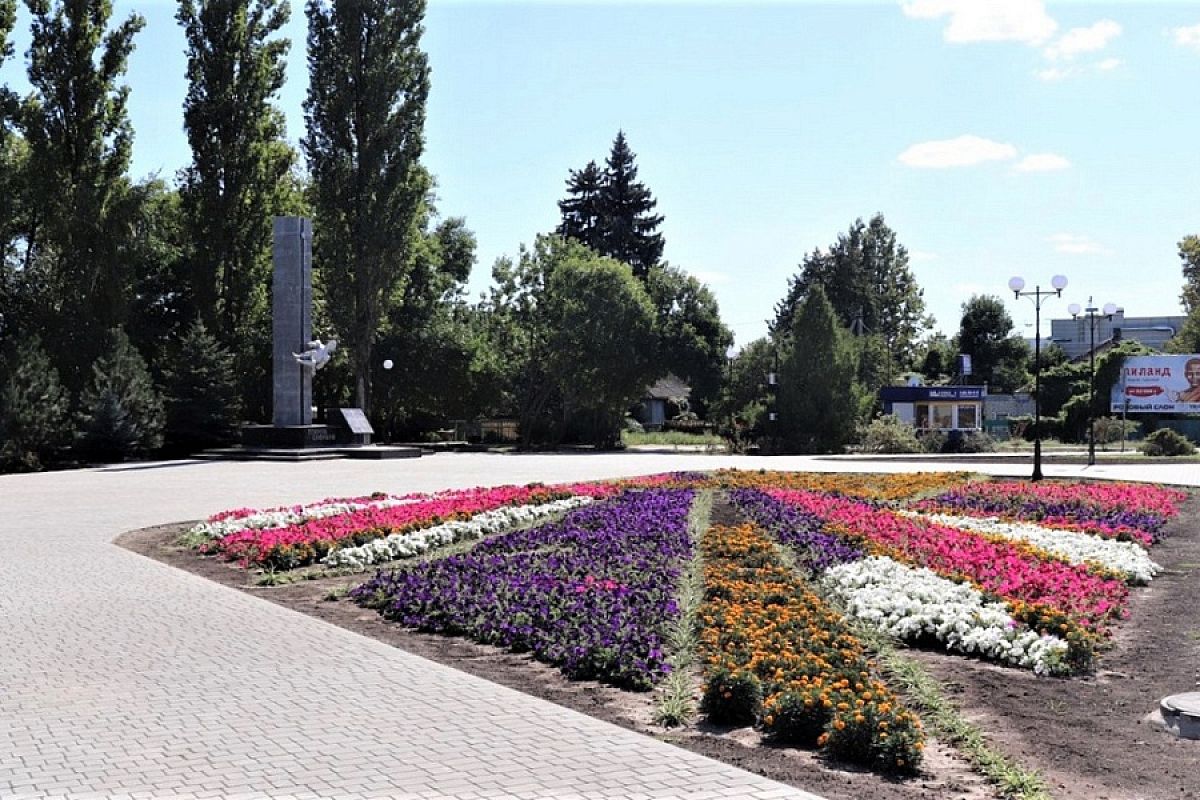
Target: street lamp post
<point x="1091" y="312"/>
<point x="1017" y="285"/>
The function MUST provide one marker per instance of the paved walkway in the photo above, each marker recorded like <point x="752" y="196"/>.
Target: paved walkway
<point x="122" y="677"/>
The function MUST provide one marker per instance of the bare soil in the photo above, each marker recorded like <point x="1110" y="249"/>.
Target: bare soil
<point x="1088" y="736"/>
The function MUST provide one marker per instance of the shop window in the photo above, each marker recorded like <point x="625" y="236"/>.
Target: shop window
<point x="968" y="417"/>
<point x="943" y="417"/>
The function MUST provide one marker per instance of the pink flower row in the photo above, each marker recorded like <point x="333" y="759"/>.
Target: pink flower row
<point x="1011" y="570"/>
<point x="256" y="546"/>
<point x="1135" y="497"/>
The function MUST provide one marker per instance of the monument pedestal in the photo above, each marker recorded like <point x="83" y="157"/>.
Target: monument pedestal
<point x="289" y="436"/>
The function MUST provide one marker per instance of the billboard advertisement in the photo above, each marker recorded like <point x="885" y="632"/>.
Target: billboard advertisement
<point x="1158" y="384"/>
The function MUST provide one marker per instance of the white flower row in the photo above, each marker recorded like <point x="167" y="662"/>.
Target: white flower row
<point x="913" y="603"/>
<point x="1127" y="558"/>
<point x="282" y="517"/>
<point x="414" y="543"/>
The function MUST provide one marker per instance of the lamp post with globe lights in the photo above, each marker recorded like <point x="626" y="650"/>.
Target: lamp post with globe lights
<point x="1091" y="312"/>
<point x="1037" y="295"/>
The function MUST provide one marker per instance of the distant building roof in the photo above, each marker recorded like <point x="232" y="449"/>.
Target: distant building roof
<point x="668" y="388"/>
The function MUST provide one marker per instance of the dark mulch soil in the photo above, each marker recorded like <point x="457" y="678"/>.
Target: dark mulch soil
<point x="1088" y="736"/>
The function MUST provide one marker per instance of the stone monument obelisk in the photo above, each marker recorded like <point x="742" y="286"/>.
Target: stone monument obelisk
<point x="291" y="315"/>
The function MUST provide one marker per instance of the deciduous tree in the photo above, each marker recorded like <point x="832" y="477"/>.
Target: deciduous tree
<point x="365" y="115"/>
<point x="240" y="160"/>
<point x="80" y="140"/>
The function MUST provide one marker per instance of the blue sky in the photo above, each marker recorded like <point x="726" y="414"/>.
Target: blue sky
<point x="998" y="138"/>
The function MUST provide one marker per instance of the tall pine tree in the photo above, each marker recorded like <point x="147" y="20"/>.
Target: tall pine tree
<point x="240" y="160"/>
<point x="630" y="230"/>
<point x="610" y="211"/>
<point x="365" y="112"/>
<point x="80" y="141"/>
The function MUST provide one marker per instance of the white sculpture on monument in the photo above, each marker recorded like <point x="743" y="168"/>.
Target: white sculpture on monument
<point x="317" y="354"/>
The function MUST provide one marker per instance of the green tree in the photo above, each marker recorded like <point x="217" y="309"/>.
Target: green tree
<point x="200" y="390"/>
<point x="79" y="139"/>
<point x="122" y="413"/>
<point x="818" y="397"/>
<point x="431" y="337"/>
<point x="11" y="150"/>
<point x="629" y="227"/>
<point x="692" y="339"/>
<point x="365" y="115"/>
<point x="866" y="277"/>
<point x="240" y="160"/>
<point x="743" y="399"/>
<point x="576" y="333"/>
<point x="1188" y="338"/>
<point x="610" y="211"/>
<point x="998" y="356"/>
<point x="601" y="344"/>
<point x="936" y="358"/>
<point x="583" y="210"/>
<point x="34" y="410"/>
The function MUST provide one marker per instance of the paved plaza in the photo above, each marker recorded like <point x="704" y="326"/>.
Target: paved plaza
<point x="123" y="677"/>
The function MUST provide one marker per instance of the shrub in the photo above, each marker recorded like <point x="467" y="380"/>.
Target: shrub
<point x="888" y="434"/>
<point x="1109" y="429"/>
<point x="797" y="716"/>
<point x="633" y="426"/>
<point x="732" y="698"/>
<point x="34" y="423"/>
<point x="1166" y="442"/>
<point x="122" y="414"/>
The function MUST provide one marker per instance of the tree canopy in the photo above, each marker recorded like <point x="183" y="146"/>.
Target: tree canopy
<point x="866" y="278"/>
<point x="998" y="356"/>
<point x="365" y="115"/>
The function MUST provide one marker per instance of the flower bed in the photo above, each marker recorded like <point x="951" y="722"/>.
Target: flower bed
<point x="312" y="539"/>
<point x="914" y="604"/>
<point x="1011" y="570"/>
<point x="591" y="594"/>
<point x="1129" y="560"/>
<point x="241" y="519"/>
<point x="879" y="487"/>
<point x="1124" y="511"/>
<point x="812" y="547"/>
<point x="407" y="545"/>
<point x="776" y="655"/>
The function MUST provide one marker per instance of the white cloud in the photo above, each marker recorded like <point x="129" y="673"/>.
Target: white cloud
<point x="1074" y="244"/>
<point x="987" y="20"/>
<point x="1083" y="40"/>
<point x="1109" y="64"/>
<point x="1187" y="37"/>
<point x="964" y="151"/>
<point x="1042" y="162"/>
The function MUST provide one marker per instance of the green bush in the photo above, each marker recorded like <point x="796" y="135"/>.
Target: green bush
<point x="732" y="698"/>
<point x="1166" y="442"/>
<point x="1109" y="429"/>
<point x="888" y="434"/>
<point x="34" y="421"/>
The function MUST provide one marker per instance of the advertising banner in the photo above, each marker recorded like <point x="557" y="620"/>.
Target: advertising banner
<point x="1158" y="384"/>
